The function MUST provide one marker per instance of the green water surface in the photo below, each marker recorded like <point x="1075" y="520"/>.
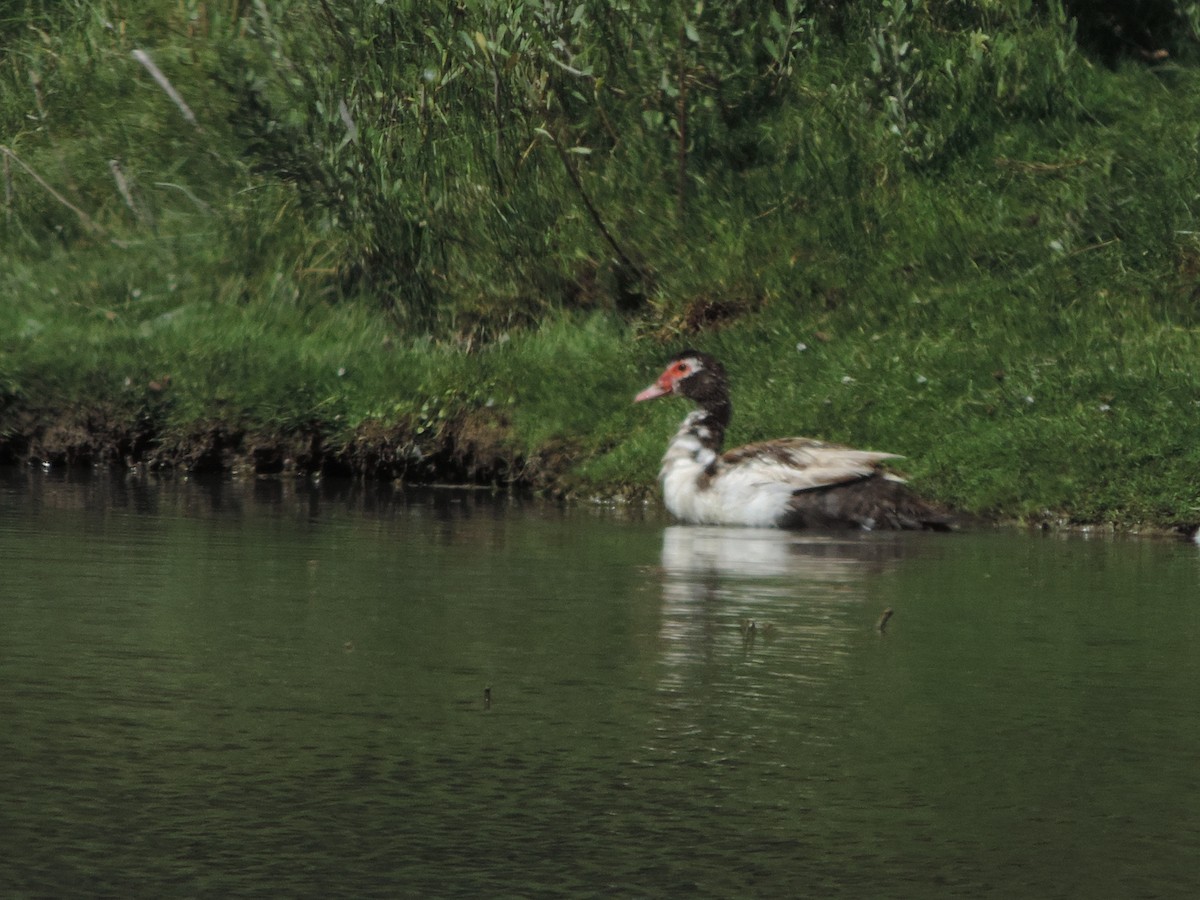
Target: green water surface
<point x="277" y="689"/>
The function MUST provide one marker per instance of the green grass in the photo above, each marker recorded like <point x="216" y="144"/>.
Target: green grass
<point x="984" y="237"/>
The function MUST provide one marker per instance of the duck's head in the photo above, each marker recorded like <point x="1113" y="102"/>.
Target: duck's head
<point x="694" y="375"/>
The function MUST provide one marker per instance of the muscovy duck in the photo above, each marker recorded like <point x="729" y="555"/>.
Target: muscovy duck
<point x="785" y="483"/>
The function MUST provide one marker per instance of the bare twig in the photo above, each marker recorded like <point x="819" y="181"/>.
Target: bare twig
<point x="143" y="216"/>
<point x="35" y="82"/>
<point x="1039" y="168"/>
<point x="144" y="58"/>
<point x="114" y="166"/>
<point x="200" y="204"/>
<point x="570" y="70"/>
<point x="681" y="119"/>
<point x="8" y="189"/>
<point x="84" y="218"/>
<point x="1091" y="247"/>
<point x="348" y="121"/>
<point x="590" y="207"/>
<point x="335" y="26"/>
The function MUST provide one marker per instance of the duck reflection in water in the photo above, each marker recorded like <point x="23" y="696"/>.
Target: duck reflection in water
<point x="807" y="595"/>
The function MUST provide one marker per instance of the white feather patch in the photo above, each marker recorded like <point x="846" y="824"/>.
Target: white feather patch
<point x="753" y="485"/>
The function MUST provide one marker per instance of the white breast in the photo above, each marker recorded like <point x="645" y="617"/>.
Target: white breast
<point x="746" y="494"/>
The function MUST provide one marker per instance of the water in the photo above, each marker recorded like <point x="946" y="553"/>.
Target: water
<point x="271" y="689"/>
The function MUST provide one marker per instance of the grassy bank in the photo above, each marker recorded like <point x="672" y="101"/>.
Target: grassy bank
<point x="451" y="242"/>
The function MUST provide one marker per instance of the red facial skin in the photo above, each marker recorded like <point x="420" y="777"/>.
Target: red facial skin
<point x="666" y="381"/>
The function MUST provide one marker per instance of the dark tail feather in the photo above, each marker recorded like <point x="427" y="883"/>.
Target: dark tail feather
<point x="872" y="504"/>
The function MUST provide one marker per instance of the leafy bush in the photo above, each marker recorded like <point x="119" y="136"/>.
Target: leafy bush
<point x="470" y="166"/>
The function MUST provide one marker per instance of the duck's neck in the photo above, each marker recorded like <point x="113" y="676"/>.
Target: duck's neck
<point x="707" y="426"/>
<point x="708" y="390"/>
<point x="696" y="446"/>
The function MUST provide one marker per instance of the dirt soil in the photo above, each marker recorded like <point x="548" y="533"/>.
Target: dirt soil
<point x="475" y="447"/>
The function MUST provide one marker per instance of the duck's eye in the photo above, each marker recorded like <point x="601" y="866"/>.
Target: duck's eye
<point x="681" y="368"/>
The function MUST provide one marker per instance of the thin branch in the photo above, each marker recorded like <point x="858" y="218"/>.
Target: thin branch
<point x="143" y="216"/>
<point x="1039" y="168"/>
<point x="35" y="81"/>
<point x="348" y="121"/>
<point x="200" y="204"/>
<point x="570" y="70"/>
<point x="8" y="189"/>
<point x="144" y="58"/>
<point x="1091" y="247"/>
<point x="590" y="207"/>
<point x="335" y="27"/>
<point x="84" y="218"/>
<point x="681" y="121"/>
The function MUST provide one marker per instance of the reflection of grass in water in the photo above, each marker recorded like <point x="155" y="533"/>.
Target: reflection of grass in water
<point x="985" y="245"/>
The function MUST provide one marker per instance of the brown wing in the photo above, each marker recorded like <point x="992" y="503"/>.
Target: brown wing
<point x="806" y="464"/>
<point x="875" y="503"/>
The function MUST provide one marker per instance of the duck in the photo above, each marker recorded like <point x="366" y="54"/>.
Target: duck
<point x="789" y="483"/>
